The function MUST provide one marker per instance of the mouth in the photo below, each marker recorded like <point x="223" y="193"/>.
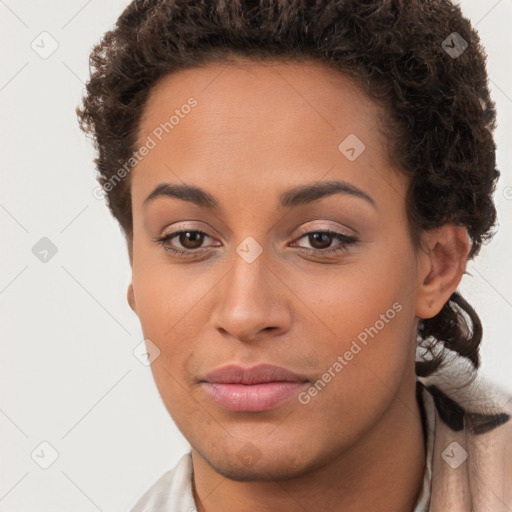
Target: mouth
<point x="259" y="388"/>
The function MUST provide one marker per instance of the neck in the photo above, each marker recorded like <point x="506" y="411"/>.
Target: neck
<point x="384" y="467"/>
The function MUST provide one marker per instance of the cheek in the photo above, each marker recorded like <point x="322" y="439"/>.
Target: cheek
<point x="365" y="315"/>
<point x="348" y="298"/>
<point x="172" y="306"/>
<point x="364" y="357"/>
<point x="165" y="293"/>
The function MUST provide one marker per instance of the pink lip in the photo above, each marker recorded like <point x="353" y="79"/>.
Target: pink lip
<point x="260" y="388"/>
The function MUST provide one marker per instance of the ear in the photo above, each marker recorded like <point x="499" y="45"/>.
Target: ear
<point x="131" y="298"/>
<point x="443" y="264"/>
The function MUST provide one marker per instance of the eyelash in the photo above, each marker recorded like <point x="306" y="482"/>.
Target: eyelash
<point x="345" y="239"/>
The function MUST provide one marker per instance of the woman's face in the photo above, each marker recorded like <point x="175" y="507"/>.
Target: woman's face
<point x="255" y="288"/>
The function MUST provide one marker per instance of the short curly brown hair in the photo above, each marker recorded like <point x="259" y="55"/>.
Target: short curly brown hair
<point x="440" y="118"/>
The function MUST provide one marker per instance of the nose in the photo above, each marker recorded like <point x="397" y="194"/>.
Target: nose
<point x="251" y="300"/>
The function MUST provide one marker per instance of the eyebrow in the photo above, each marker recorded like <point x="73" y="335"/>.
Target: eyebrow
<point x="299" y="195"/>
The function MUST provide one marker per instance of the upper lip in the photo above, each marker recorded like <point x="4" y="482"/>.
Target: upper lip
<point x="235" y="374"/>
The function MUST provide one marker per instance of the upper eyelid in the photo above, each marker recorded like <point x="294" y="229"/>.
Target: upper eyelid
<point x="302" y="230"/>
<point x="307" y="230"/>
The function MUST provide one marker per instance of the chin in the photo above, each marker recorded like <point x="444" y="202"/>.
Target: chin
<point x="270" y="472"/>
<point x="250" y="465"/>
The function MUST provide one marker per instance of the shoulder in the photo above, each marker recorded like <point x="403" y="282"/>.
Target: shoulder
<point x="172" y="491"/>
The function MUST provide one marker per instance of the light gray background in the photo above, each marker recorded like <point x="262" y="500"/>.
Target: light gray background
<point x="68" y="376"/>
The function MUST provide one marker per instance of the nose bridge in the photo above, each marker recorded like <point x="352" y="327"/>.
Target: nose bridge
<point x="248" y="301"/>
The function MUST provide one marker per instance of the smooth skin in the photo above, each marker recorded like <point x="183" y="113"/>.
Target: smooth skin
<point x="258" y="130"/>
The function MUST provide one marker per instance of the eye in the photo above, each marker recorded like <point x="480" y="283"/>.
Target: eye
<point x="322" y="239"/>
<point x="190" y="239"/>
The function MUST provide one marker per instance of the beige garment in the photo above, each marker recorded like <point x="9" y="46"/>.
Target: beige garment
<point x="471" y="459"/>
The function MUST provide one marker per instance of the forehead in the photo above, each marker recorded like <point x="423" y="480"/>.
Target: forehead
<point x="308" y="96"/>
<point x="255" y="123"/>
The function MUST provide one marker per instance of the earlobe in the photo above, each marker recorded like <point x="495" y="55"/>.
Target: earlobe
<point x="131" y="298"/>
<point x="445" y="264"/>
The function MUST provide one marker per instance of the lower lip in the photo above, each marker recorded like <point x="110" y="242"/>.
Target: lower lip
<point x="254" y="397"/>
